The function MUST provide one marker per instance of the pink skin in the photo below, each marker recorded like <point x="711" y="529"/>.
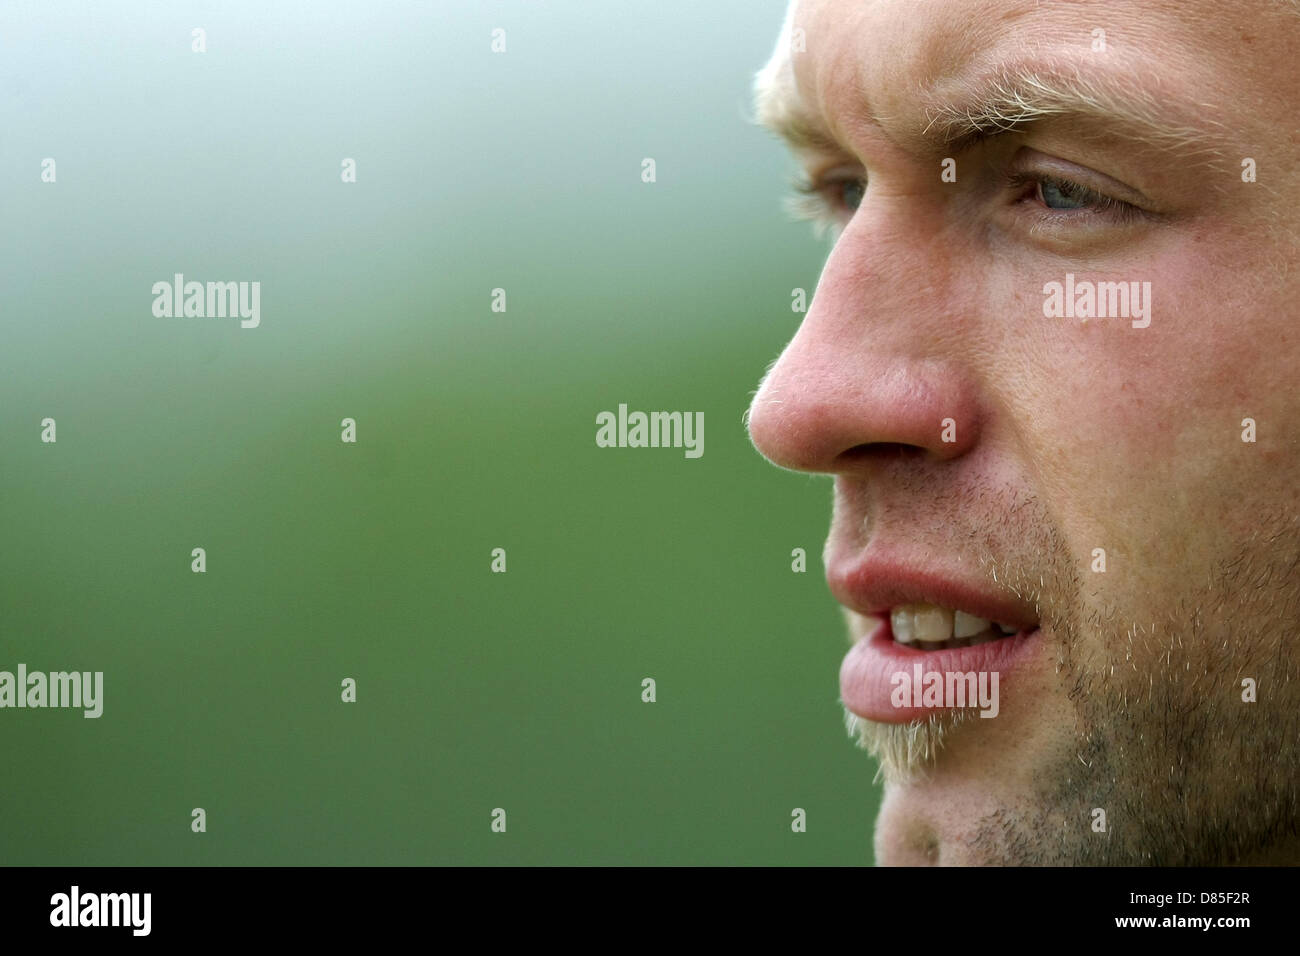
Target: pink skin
<point x="930" y="307"/>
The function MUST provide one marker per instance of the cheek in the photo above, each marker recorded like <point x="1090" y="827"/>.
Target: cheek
<point x="1136" y="432"/>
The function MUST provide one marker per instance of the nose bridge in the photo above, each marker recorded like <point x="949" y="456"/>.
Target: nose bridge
<point x="876" y="359"/>
<point x="894" y="273"/>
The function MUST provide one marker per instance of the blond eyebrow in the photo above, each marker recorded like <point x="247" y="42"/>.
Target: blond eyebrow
<point x="778" y="107"/>
<point x="1005" y="99"/>
<point x="800" y="130"/>
<point x="1012" y="97"/>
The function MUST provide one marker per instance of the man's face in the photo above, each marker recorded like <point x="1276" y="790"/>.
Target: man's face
<point x="1012" y="440"/>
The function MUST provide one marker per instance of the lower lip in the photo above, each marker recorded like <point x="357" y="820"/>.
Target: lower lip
<point x="867" y="675"/>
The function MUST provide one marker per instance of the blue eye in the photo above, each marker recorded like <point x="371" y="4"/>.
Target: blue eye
<point x="1062" y="202"/>
<point x="830" y="200"/>
<point x="1060" y="194"/>
<point x="851" y="193"/>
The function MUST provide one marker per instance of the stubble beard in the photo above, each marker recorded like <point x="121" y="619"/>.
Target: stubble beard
<point x="1185" y="771"/>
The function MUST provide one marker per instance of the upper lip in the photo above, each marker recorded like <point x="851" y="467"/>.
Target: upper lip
<point x="875" y="584"/>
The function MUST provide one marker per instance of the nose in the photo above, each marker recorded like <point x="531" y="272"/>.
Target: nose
<point x="877" y="360"/>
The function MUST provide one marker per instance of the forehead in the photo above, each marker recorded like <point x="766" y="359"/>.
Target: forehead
<point x="882" y="60"/>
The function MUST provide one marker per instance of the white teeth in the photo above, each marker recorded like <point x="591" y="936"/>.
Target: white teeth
<point x="924" y="623"/>
<point x="929" y="627"/>
<point x="968" y="625"/>
<point x="900" y="622"/>
<point x="932" y="624"/>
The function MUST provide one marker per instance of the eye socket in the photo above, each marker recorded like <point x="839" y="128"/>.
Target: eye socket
<point x="1059" y="194"/>
<point x="1063" y="200"/>
<point x="849" y="192"/>
<point x="831" y="199"/>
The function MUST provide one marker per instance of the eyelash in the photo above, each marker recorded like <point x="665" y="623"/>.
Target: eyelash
<point x="812" y="200"/>
<point x="1097" y="205"/>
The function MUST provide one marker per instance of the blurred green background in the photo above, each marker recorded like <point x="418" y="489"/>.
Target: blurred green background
<point x="476" y="430"/>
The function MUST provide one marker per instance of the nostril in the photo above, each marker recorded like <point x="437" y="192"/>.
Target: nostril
<point x="881" y="451"/>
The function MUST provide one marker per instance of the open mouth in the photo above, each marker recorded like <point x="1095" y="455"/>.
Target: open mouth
<point x="929" y="623"/>
<point x="928" y="627"/>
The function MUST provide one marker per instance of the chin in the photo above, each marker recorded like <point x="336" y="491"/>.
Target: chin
<point x="921" y="824"/>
